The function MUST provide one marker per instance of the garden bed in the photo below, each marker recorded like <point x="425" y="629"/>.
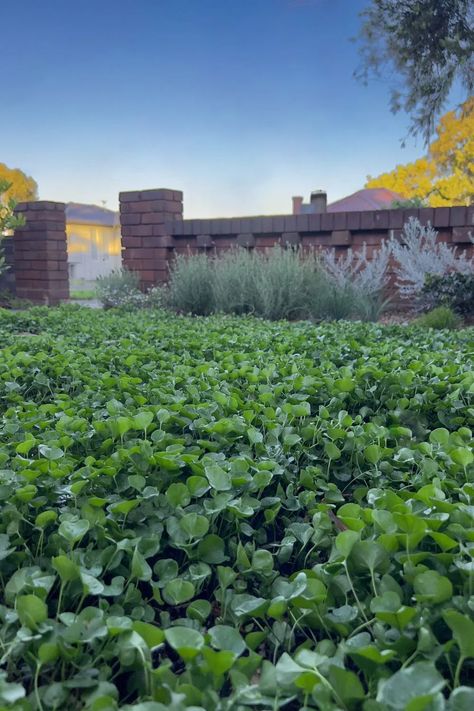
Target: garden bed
<point x="224" y="513"/>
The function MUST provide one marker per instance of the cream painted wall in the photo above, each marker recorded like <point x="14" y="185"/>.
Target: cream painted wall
<point x="93" y="250"/>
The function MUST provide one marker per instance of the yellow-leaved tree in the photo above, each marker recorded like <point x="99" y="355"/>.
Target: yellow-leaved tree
<point x="21" y="186"/>
<point x="446" y="175"/>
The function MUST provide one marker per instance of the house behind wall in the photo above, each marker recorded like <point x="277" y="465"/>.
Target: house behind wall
<point x="93" y="240"/>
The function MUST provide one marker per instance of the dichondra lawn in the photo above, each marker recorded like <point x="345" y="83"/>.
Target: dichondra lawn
<point x="226" y="513"/>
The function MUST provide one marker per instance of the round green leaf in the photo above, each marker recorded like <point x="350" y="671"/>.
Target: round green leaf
<point x="373" y="453"/>
<point x="421" y="679"/>
<point x="262" y="562"/>
<point x="228" y="638"/>
<point x="345" y="541"/>
<point x="31" y="610"/>
<point x="332" y="451"/>
<point x="218" y="478"/>
<point x="432" y="587"/>
<point x="178" y="591"/>
<point x="178" y="494"/>
<point x="187" y="642"/>
<point x="50" y="453"/>
<point x="73" y="531"/>
<point x="462" y="456"/>
<point x="199" y="610"/>
<point x="45" y="518"/>
<point x="194" y="525"/>
<point x="463" y="631"/>
<point x="211" y="549"/>
<point x="152" y="635"/>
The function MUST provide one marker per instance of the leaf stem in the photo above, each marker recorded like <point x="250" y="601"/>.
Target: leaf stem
<point x="457" y="674"/>
<point x="37" y="695"/>
<point x="359" y="605"/>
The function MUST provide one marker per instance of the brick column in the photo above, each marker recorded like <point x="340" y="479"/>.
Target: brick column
<point x="147" y="242"/>
<point x="40" y="253"/>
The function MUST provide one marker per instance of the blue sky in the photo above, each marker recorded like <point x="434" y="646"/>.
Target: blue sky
<point x="240" y="103"/>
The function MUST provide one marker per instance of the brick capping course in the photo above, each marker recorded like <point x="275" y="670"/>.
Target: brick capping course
<point x="327" y="222"/>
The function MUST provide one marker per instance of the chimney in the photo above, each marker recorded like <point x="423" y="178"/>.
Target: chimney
<point x="319" y="201"/>
<point x="297" y="202"/>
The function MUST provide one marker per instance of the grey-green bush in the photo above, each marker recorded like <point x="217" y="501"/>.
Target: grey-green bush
<point x="278" y="284"/>
<point x="156" y="297"/>
<point x="235" y="282"/>
<point x="370" y="307"/>
<point x="190" y="285"/>
<point x="338" y="302"/>
<point x="120" y="289"/>
<point x="287" y="284"/>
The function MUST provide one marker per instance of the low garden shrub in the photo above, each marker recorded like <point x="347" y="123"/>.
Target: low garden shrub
<point x="225" y="513"/>
<point x="156" y="297"/>
<point x="190" y="285"/>
<point x="440" y="317"/>
<point x="455" y="290"/>
<point x="233" y="280"/>
<point x="8" y="300"/>
<point x="280" y="284"/>
<point x="288" y="284"/>
<point x="120" y="289"/>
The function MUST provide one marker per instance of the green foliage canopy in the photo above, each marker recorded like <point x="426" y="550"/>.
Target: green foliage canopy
<point x="425" y="47"/>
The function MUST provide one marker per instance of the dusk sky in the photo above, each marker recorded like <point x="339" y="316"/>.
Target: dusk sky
<point x="239" y="103"/>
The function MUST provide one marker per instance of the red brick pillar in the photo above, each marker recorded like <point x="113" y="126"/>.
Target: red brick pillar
<point x="146" y="219"/>
<point x="40" y="253"/>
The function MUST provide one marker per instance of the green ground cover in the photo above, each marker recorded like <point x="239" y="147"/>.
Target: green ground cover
<point x="226" y="514"/>
<point x="83" y="294"/>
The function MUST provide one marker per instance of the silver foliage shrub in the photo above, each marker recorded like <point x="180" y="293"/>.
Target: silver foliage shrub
<point x="366" y="276"/>
<point x="120" y="289"/>
<point x="356" y="283"/>
<point x="156" y="297"/>
<point x="421" y="254"/>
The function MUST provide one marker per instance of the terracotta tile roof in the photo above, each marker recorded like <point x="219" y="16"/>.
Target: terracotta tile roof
<point x="367" y="199"/>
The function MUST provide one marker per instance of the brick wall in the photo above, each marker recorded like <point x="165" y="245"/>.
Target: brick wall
<point x="153" y="230"/>
<point x="40" y="253"/>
